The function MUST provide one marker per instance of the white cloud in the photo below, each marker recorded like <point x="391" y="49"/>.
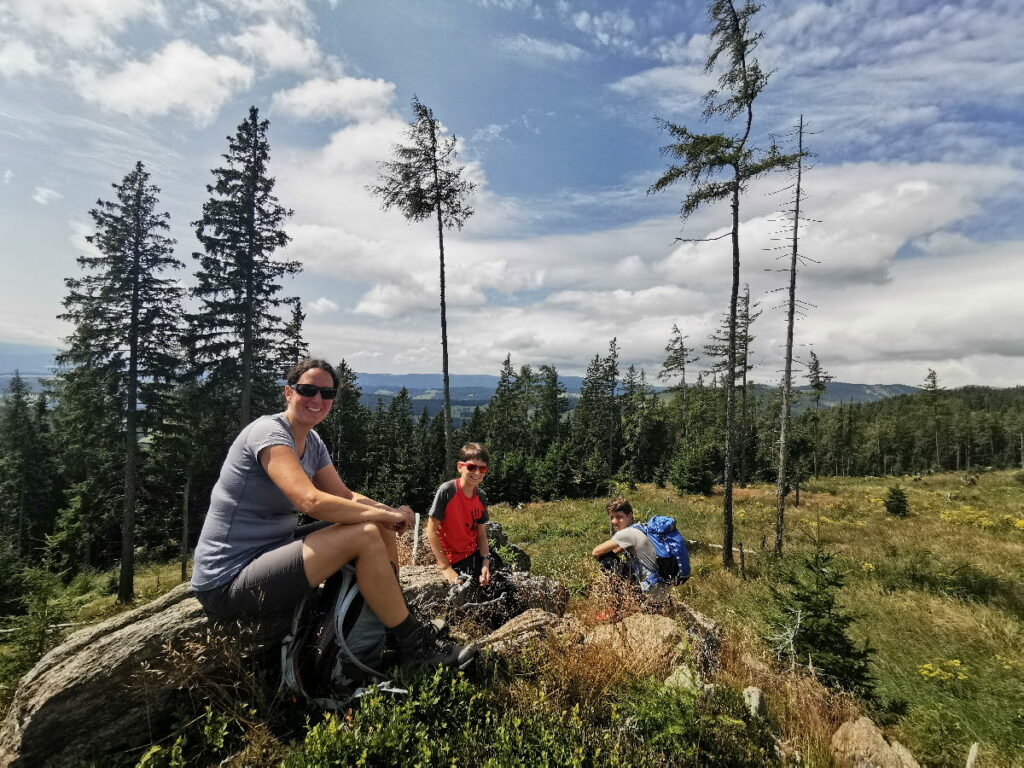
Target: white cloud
<point x="323" y="306"/>
<point x="179" y="78"/>
<point x="616" y="29"/>
<point x="83" y="25"/>
<point x="532" y="50"/>
<point x="344" y="98"/>
<point x="276" y="47"/>
<point x="286" y="11"/>
<point x="45" y="195"/>
<point x="19" y="58"/>
<point x="8" y="176"/>
<point x="390" y="301"/>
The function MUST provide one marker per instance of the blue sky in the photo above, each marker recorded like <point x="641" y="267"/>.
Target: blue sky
<point x="917" y="184"/>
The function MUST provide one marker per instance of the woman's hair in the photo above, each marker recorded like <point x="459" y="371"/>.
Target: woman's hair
<point x="620" y="505"/>
<point x="474" y="452"/>
<point x="295" y="372"/>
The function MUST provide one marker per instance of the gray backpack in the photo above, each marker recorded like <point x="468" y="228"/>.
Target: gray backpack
<point x="334" y="651"/>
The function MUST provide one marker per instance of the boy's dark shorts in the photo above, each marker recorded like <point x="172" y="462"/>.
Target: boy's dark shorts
<point x="473" y="565"/>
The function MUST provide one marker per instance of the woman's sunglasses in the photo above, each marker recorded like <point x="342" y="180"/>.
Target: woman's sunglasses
<point x="309" y="390"/>
<point x="474" y="467"/>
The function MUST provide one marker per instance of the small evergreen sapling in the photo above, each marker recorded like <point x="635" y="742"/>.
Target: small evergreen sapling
<point x="810" y="627"/>
<point x="895" y="501"/>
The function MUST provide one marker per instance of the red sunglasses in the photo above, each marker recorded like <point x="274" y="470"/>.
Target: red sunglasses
<point x="482" y="468"/>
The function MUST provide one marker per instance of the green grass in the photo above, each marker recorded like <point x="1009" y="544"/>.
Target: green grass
<point x="942" y="587"/>
<point x="939" y="595"/>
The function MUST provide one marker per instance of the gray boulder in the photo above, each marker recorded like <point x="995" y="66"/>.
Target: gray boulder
<point x="860" y="744"/>
<point x="646" y="643"/>
<point x="91" y="696"/>
<point x="528" y="627"/>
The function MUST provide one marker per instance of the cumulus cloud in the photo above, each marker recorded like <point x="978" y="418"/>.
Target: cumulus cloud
<point x="323" y="306"/>
<point x="45" y="195"/>
<point x="179" y="78"/>
<point x="343" y="98"/>
<point x="19" y="58"/>
<point x="882" y="86"/>
<point x="276" y="47"/>
<point x="612" y="29"/>
<point x="82" y="25"/>
<point x="532" y="50"/>
<point x="8" y="176"/>
<point x="559" y="298"/>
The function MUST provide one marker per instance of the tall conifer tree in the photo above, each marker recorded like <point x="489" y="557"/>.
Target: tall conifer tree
<point x="719" y="166"/>
<point x="423" y="182"/>
<point x="237" y="334"/>
<point x="125" y="310"/>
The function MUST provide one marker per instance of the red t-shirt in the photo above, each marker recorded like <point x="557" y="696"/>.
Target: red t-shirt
<point x="458" y="516"/>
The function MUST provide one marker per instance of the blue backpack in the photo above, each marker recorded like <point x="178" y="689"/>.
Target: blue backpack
<point x="670" y="549"/>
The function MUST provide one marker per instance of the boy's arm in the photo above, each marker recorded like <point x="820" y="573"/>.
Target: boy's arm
<point x="435" y="546"/>
<point x="485" y="552"/>
<point x="605" y="548"/>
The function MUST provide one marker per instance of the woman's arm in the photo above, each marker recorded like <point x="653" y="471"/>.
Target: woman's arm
<point x="325" y="497"/>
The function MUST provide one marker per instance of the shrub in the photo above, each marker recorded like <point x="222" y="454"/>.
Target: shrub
<point x="446" y="720"/>
<point x="712" y="730"/>
<point x="896" y="503"/>
<point x="690" y="471"/>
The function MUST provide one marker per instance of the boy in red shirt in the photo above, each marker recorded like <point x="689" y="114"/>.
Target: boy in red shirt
<point x="456" y="526"/>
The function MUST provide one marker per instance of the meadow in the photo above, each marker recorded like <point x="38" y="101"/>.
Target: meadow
<point x="938" y="595"/>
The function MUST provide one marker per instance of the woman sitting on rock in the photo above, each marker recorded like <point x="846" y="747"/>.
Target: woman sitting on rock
<point x="252" y="560"/>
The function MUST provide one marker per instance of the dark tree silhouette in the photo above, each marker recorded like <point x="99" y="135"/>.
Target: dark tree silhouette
<point x="236" y="334"/>
<point x="126" y="314"/>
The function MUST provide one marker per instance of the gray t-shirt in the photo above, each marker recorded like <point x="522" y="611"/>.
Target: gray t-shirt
<point x="638" y="547"/>
<point x="248" y="514"/>
<point x="642" y="557"/>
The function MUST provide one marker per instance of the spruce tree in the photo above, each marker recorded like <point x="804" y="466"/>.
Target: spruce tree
<point x="719" y="166"/>
<point x="26" y="468"/>
<point x="423" y="182"/>
<point x="125" y="310"/>
<point x="237" y="334"/>
<point x="812" y="628"/>
<point x="677" y="357"/>
<point x="818" y="378"/>
<point x="596" y="430"/>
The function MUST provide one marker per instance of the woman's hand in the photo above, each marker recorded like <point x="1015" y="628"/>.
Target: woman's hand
<point x="405" y="520"/>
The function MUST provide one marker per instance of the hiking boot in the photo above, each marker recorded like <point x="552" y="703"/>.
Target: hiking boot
<point x="425" y="647"/>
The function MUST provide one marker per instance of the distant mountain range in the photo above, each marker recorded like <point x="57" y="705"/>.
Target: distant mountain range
<point x="426" y="389"/>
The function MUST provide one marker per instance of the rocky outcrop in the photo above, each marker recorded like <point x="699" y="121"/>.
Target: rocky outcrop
<point x="860" y="744"/>
<point x="528" y="627"/>
<point x="85" y="698"/>
<point x="647" y="644"/>
<point x="514" y="557"/>
<point x="510" y="594"/>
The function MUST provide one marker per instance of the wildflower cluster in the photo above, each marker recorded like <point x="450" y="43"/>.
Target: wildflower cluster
<point x="944" y="671"/>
